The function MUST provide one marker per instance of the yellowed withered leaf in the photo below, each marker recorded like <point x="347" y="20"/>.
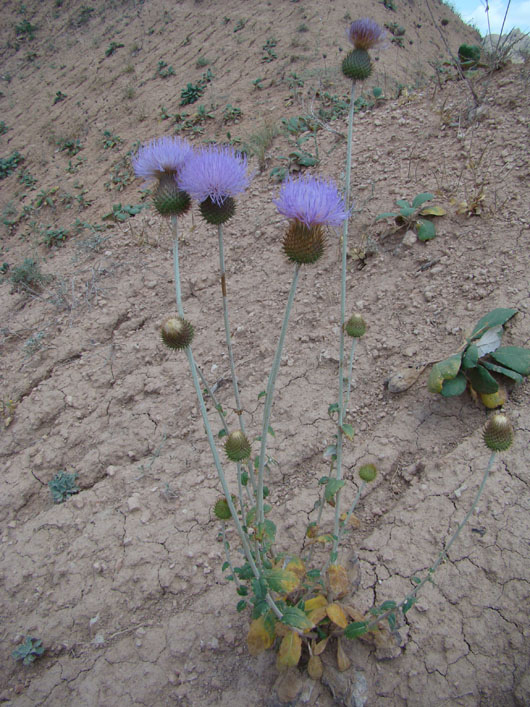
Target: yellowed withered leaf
<point x="315" y="602"/>
<point x="316" y="615"/>
<point x="258" y="638"/>
<point x="296" y="566"/>
<point x="337" y="615"/>
<point x="320" y="647"/>
<point x="338" y="580"/>
<point x="343" y="662"/>
<point x="281" y="581"/>
<point x="290" y="651"/>
<point x="314" y="667"/>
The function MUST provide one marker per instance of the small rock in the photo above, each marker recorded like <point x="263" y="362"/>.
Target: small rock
<point x="409" y="239"/>
<point x="133" y="503"/>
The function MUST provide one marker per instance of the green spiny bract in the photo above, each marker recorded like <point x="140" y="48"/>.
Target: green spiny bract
<point x="357" y="65"/>
<point x="355" y="326"/>
<point x="168" y="199"/>
<point x="237" y="446"/>
<point x="498" y="433"/>
<point x="303" y="244"/>
<point x="217" y="214"/>
<point x="368" y="472"/>
<point x="221" y="509"/>
<point x="176" y="332"/>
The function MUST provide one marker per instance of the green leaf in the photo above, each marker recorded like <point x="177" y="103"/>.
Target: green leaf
<point x="416" y="580"/>
<point x="426" y="230"/>
<point x="222" y="433"/>
<point x="348" y="431"/>
<point x="271" y="431"/>
<point x="297" y="618"/>
<point x="330" y="452"/>
<point x="333" y="408"/>
<point x="443" y="370"/>
<point x="242" y="590"/>
<point x="241" y="605"/>
<point x="244" y="478"/>
<point x="455" y="386"/>
<point x="332" y="487"/>
<point x="386" y="605"/>
<point x="313" y="574"/>
<point x="281" y="581"/>
<point x="378" y="92"/>
<point x="403" y="203"/>
<point x="391" y="621"/>
<point x="421" y="199"/>
<point x="262" y="394"/>
<point x="517" y="377"/>
<point x="492" y="319"/>
<point x="514" y="357"/>
<point x="355" y="629"/>
<point x="406" y="212"/>
<point x="408" y="604"/>
<point x="225" y="566"/>
<point x="481" y="380"/>
<point x="387" y="214"/>
<point x="470" y="357"/>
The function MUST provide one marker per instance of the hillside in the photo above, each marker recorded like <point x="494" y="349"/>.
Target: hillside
<point x="123" y="581"/>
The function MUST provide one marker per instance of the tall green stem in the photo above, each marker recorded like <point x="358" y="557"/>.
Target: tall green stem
<point x="334" y="551"/>
<point x="443" y="554"/>
<point x="270" y="393"/>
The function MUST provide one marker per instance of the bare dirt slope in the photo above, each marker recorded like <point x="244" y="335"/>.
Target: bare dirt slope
<point x="123" y="582"/>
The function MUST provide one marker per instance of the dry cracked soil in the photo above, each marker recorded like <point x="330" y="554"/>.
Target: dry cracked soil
<point x="122" y="581"/>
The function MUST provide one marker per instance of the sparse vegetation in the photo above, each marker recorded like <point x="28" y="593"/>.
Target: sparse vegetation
<point x="9" y="164"/>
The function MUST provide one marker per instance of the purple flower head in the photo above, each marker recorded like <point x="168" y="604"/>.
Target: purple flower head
<point x="311" y="201"/>
<point x="161" y="156"/>
<point x="216" y="173"/>
<point x="366" y="34"/>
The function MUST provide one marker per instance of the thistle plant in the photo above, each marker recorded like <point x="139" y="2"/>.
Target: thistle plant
<point x="298" y="601"/>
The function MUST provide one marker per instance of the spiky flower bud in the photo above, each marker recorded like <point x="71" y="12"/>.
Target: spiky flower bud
<point x="303" y="244"/>
<point x="215" y="213"/>
<point x="355" y="326"/>
<point x="221" y="509"/>
<point x="357" y="65"/>
<point x="168" y="199"/>
<point x="368" y="472"/>
<point x="498" y="433"/>
<point x="237" y="446"/>
<point x="176" y="332"/>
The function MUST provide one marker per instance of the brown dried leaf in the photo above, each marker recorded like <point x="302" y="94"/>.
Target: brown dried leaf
<point x="343" y="662"/>
<point x="338" y="580"/>
<point x="290" y="651"/>
<point x="297" y="567"/>
<point x="315" y="602"/>
<point x="314" y="667"/>
<point x="320" y="647"/>
<point x="258" y="638"/>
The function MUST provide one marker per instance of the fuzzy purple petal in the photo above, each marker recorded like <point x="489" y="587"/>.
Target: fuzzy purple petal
<point x="162" y="155"/>
<point x="311" y="201"/>
<point x="215" y="172"/>
<point x="366" y="34"/>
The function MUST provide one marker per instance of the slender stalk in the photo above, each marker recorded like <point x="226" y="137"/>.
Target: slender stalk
<point x="176" y="269"/>
<point x="270" y="393"/>
<point x="443" y="554"/>
<point x="352" y="508"/>
<point x="350" y="370"/>
<point x="227" y="327"/>
<point x="342" y="321"/>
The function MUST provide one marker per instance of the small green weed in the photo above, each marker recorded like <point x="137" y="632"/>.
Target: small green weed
<point x="45" y="198"/>
<point x="478" y="361"/>
<point x="9" y="164"/>
<point x="69" y="145"/>
<point x="62" y="486"/>
<point x="121" y="213"/>
<point x="53" y="237"/>
<point x="74" y="168"/>
<point x="121" y="175"/>
<point x="29" y="650"/>
<point x="28" y="277"/>
<point x="191" y="94"/>
<point x="3" y="128"/>
<point x="113" y="46"/>
<point x="163" y="70"/>
<point x="469" y="56"/>
<point x="239" y="25"/>
<point x="202" y="61"/>
<point x="268" y="47"/>
<point x="25" y="30"/>
<point x="257" y="83"/>
<point x="83" y="16"/>
<point x="59" y="96"/>
<point x="231" y="114"/>
<point x="110" y="141"/>
<point x="34" y="344"/>
<point x="389" y="4"/>
<point x="409" y="216"/>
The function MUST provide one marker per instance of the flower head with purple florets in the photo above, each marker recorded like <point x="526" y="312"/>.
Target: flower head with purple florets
<point x="162" y="160"/>
<point x="214" y="176"/>
<point x="366" y="34"/>
<point x="310" y="203"/>
<point x="161" y="156"/>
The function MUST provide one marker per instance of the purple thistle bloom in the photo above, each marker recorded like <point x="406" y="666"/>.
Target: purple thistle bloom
<point x="216" y="173"/>
<point x="161" y="156"/>
<point x="366" y="34"/>
<point x="311" y="201"/>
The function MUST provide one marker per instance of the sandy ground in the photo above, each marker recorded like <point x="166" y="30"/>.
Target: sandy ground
<point x="123" y="582"/>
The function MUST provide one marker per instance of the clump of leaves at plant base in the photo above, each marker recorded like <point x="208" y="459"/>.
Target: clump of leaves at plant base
<point x="483" y="364"/>
<point x="412" y="216"/>
<point x="62" y="486"/>
<point x="469" y="55"/>
<point x="29" y="650"/>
